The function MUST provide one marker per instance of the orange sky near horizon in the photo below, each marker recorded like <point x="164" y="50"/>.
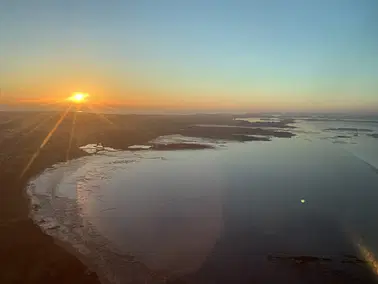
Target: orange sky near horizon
<point x="42" y="87"/>
<point x="184" y="104"/>
<point x="39" y="84"/>
<point x="248" y="56"/>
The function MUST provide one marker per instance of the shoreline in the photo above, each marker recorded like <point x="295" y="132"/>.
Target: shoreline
<point x="86" y="248"/>
<point x="38" y="257"/>
<point x="82" y="239"/>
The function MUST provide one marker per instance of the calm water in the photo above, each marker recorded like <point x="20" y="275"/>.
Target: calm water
<point x="215" y="216"/>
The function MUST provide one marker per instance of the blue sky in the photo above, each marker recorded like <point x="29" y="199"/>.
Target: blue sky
<point x="268" y="55"/>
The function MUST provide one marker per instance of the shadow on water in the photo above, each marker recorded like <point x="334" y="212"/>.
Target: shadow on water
<point x="295" y="246"/>
<point x="277" y="212"/>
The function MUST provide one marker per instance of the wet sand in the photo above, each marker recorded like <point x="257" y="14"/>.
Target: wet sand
<point x="26" y="254"/>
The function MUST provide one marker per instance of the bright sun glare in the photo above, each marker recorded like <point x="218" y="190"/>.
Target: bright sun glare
<point x="78" y="97"/>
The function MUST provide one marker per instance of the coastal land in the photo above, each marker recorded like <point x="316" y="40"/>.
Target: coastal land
<point x="33" y="141"/>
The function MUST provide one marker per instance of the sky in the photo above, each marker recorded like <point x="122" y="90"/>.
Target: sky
<point x="268" y="55"/>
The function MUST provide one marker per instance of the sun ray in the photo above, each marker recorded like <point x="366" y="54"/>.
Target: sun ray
<point x="43" y="103"/>
<point x="23" y="131"/>
<point x="103" y="105"/>
<point x="26" y="131"/>
<point x="44" y="142"/>
<point x="39" y="124"/>
<point x="71" y="136"/>
<point x="100" y="115"/>
<point x="26" y="124"/>
<point x="54" y="128"/>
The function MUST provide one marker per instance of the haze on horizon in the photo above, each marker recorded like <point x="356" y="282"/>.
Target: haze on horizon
<point x="273" y="55"/>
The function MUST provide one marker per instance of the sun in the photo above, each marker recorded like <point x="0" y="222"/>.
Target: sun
<point x="78" y="98"/>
